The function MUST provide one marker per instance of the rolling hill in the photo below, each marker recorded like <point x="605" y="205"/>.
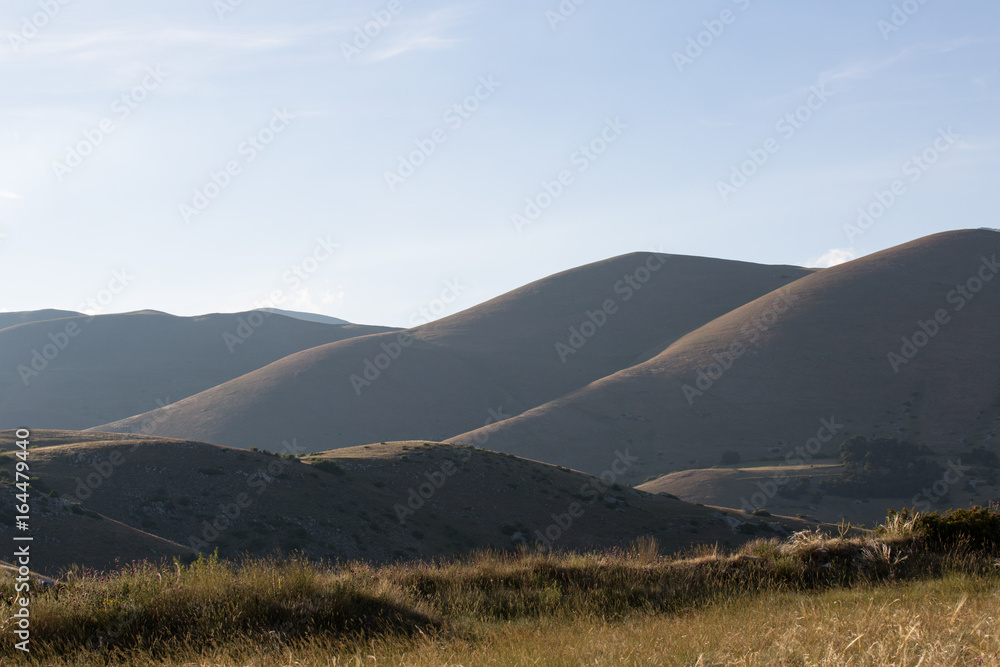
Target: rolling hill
<point x="25" y="317"/>
<point x="901" y="343"/>
<point x="77" y="372"/>
<point x="101" y="498"/>
<point x="482" y="365"/>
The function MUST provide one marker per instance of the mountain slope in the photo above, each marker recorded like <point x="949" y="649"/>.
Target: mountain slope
<point x="799" y="364"/>
<point x="308" y="317"/>
<point x="483" y="364"/>
<point x="80" y="371"/>
<point x="24" y="317"/>
<point x="378" y="503"/>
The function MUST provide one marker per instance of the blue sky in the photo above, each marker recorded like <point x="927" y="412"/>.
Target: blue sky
<point x="222" y="155"/>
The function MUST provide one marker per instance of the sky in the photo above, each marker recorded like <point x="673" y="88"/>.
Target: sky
<point x="390" y="162"/>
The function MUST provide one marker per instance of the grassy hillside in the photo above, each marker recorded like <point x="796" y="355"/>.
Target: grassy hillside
<point x="801" y="369"/>
<point x="378" y="503"/>
<point x="478" y="366"/>
<point x="79" y="371"/>
<point x="915" y="593"/>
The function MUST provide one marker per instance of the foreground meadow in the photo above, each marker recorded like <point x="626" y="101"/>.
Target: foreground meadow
<point x="915" y="594"/>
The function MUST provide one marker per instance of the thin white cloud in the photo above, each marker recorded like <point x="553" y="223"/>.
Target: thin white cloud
<point x="112" y="45"/>
<point x="861" y="69"/>
<point x="5" y="194"/>
<point x="833" y="257"/>
<point x="426" y="33"/>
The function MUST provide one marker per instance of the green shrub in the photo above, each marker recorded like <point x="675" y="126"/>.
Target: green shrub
<point x="882" y="468"/>
<point x="977" y="528"/>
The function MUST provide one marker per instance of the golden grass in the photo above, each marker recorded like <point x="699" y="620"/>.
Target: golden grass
<point x="953" y="621"/>
<point x="894" y="598"/>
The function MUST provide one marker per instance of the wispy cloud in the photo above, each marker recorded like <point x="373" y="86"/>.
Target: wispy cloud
<point x="5" y="194"/>
<point x="112" y="45"/>
<point x="429" y="32"/>
<point x="869" y="67"/>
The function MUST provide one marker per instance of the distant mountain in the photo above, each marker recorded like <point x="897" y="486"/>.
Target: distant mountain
<point x="25" y="317"/>
<point x="308" y="317"/>
<point x="158" y="498"/>
<point x="80" y="371"/>
<point x="486" y="363"/>
<point x="900" y="343"/>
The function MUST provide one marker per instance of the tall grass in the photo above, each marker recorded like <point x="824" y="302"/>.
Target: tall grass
<point x="219" y="612"/>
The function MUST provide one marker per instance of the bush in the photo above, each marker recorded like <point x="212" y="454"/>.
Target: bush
<point x="882" y="468"/>
<point x="977" y="528"/>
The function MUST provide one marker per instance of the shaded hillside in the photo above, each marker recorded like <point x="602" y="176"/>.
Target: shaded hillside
<point x="800" y="368"/>
<point x="353" y="504"/>
<point x="481" y="365"/>
<point x="308" y="317"/>
<point x="81" y="371"/>
<point x="25" y="317"/>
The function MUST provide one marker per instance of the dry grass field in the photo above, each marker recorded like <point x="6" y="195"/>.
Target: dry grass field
<point x="914" y="593"/>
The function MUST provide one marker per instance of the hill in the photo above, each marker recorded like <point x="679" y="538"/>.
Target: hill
<point x="900" y="343"/>
<point x="79" y="371"/>
<point x="479" y="366"/>
<point x="378" y="503"/>
<point x="308" y="317"/>
<point x="24" y="317"/>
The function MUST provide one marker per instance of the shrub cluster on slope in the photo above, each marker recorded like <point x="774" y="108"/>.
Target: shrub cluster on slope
<point x="882" y="468"/>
